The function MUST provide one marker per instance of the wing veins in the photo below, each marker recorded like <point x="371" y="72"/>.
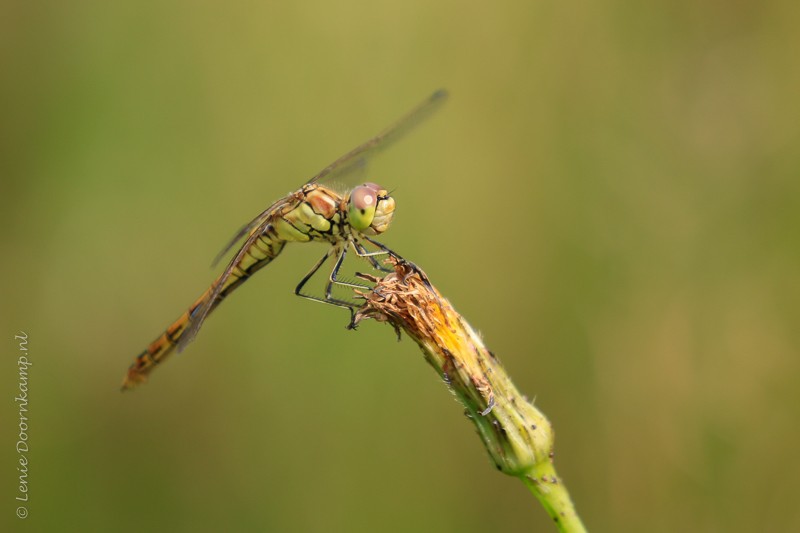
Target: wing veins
<point x="385" y="138"/>
<point x="202" y="312"/>
<point x="244" y="230"/>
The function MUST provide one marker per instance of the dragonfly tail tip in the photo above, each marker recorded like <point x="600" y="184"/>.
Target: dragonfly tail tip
<point x="439" y="94"/>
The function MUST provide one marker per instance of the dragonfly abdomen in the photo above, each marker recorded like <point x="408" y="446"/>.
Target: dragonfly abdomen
<point x="262" y="252"/>
<point x="159" y="349"/>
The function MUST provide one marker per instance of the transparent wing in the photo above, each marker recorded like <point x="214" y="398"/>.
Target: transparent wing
<point x="353" y="163"/>
<point x="256" y="227"/>
<point x="247" y="228"/>
<point x="355" y="159"/>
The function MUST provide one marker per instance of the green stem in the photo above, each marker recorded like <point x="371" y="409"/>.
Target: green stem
<point x="518" y="436"/>
<point x="554" y="497"/>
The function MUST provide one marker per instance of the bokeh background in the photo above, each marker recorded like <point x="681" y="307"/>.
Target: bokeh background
<point x="611" y="196"/>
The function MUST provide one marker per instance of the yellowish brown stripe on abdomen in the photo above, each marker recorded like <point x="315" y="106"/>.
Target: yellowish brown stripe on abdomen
<point x="261" y="253"/>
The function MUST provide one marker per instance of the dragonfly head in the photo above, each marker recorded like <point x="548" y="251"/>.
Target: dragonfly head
<point x="370" y="209"/>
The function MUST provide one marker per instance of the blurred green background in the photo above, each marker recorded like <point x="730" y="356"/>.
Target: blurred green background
<point x="611" y="197"/>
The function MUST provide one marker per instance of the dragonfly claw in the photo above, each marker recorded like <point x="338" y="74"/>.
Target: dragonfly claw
<point x="353" y="325"/>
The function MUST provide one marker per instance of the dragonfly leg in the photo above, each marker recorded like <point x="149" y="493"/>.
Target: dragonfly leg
<point x="386" y="250"/>
<point x="332" y="279"/>
<point x="329" y="299"/>
<point x="370" y="256"/>
<point x="299" y="288"/>
<point x="412" y="267"/>
<point x="383" y="249"/>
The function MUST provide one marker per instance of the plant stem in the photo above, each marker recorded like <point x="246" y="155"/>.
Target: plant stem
<point x="518" y="437"/>
<point x="552" y="494"/>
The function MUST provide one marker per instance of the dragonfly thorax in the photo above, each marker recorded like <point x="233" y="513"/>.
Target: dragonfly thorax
<point x="319" y="213"/>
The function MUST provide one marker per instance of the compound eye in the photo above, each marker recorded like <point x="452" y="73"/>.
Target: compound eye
<point x="364" y="197"/>
<point x="374" y="186"/>
<point x="363" y="200"/>
<point x="379" y="191"/>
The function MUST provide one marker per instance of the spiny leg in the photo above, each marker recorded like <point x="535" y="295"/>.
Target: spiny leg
<point x="383" y="249"/>
<point x="329" y="299"/>
<point x="386" y="250"/>
<point x="361" y="251"/>
<point x="412" y="267"/>
<point x="312" y="272"/>
<point x="298" y="290"/>
<point x="332" y="279"/>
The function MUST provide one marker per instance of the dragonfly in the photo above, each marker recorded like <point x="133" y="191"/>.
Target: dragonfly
<point x="319" y="211"/>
